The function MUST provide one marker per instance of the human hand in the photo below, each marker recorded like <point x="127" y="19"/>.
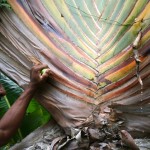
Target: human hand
<point x="2" y="91"/>
<point x="36" y="77"/>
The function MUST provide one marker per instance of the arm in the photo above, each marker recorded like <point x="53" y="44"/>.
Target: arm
<point x="13" y="117"/>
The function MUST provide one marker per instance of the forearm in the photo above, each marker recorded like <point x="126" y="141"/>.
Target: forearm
<point x="13" y="117"/>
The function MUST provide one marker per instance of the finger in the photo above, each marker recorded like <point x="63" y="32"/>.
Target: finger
<point x="48" y="71"/>
<point x="40" y="67"/>
<point x="45" y="76"/>
<point x="37" y="63"/>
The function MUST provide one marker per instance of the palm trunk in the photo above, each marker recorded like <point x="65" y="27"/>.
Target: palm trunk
<point x="98" y="53"/>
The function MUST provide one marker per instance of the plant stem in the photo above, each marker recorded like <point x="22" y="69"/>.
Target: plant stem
<point x="7" y="101"/>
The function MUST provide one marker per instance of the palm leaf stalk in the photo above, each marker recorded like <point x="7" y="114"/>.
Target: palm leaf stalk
<point x="93" y="50"/>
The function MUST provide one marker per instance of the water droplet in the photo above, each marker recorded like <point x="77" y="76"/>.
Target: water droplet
<point x="141" y="93"/>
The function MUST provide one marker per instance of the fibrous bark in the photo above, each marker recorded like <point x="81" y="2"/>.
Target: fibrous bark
<point x="98" y="53"/>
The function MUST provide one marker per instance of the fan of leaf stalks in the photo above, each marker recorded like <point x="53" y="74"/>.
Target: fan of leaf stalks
<point x="98" y="52"/>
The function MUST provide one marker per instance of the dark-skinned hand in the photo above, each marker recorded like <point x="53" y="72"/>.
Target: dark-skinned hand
<point x="36" y="78"/>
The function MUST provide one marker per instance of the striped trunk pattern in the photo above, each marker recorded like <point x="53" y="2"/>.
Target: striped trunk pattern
<point x="91" y="47"/>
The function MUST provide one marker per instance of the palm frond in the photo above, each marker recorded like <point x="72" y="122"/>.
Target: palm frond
<point x="89" y="47"/>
